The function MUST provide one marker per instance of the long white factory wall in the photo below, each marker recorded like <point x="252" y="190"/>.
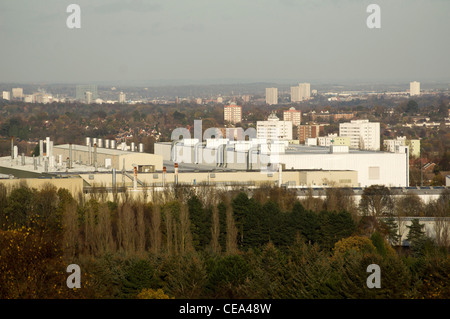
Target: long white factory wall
<point x="392" y="166"/>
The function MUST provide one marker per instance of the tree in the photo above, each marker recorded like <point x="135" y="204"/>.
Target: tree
<point x="20" y="206"/>
<point x="357" y="243"/>
<point x="200" y="223"/>
<point x="416" y="236"/>
<point x="333" y="227"/>
<point x="226" y="275"/>
<point x="376" y="201"/>
<point x="139" y="274"/>
<point x="304" y="222"/>
<point x="412" y="107"/>
<point x="409" y="205"/>
<point x="392" y="230"/>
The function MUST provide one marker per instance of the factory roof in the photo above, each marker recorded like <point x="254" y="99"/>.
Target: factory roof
<point x="100" y="150"/>
<point x="302" y="149"/>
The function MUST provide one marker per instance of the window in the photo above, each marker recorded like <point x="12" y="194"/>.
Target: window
<point x="374" y="173"/>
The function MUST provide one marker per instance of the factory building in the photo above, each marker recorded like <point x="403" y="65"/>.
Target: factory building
<point x="217" y="178"/>
<point x="108" y="158"/>
<point x="372" y="167"/>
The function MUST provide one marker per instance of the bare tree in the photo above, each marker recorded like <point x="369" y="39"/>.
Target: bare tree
<point x="104" y="230"/>
<point x="231" y="242"/>
<point x="215" y="230"/>
<point x="155" y="229"/>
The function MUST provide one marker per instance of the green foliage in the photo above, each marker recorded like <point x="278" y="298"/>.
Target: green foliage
<point x="20" y="206"/>
<point x="226" y="274"/>
<point x="333" y="227"/>
<point x="139" y="274"/>
<point x="416" y="236"/>
<point x="200" y="223"/>
<point x="379" y="243"/>
<point x="286" y="251"/>
<point x="391" y="228"/>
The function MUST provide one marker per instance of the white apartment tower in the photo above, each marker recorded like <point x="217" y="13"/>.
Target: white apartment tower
<point x="271" y="96"/>
<point x="122" y="97"/>
<point x="363" y="134"/>
<point x="274" y="129"/>
<point x="6" y="95"/>
<point x="232" y="113"/>
<point x="293" y="115"/>
<point x="414" y="88"/>
<point x="88" y="96"/>
<point x="17" y="93"/>
<point x="301" y="92"/>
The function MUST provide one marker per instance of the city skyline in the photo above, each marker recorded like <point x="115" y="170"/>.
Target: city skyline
<point x="223" y="42"/>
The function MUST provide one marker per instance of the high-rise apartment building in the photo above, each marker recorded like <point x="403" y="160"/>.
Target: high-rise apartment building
<point x="301" y="92"/>
<point x="309" y="131"/>
<point x="293" y="115"/>
<point x="6" y="95"/>
<point x="394" y="144"/>
<point x="274" y="129"/>
<point x="232" y="113"/>
<point x="17" y="93"/>
<point x="122" y="97"/>
<point x="82" y="89"/>
<point x="89" y="97"/>
<point x="271" y="96"/>
<point x="363" y="134"/>
<point x="414" y="88"/>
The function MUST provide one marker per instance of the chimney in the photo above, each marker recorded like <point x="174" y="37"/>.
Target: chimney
<point x="164" y="176"/>
<point x="41" y="151"/>
<point x="12" y="147"/>
<point x="176" y="173"/>
<point x="95" y="156"/>
<point x="113" y="177"/>
<point x="70" y="156"/>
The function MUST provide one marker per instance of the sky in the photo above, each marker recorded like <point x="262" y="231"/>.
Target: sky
<point x="224" y="41"/>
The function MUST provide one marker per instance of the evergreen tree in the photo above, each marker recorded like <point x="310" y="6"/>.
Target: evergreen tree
<point x="416" y="236"/>
<point x="391" y="228"/>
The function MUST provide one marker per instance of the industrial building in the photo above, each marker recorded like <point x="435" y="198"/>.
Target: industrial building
<point x="372" y="167"/>
<point x="304" y="178"/>
<point x="108" y="158"/>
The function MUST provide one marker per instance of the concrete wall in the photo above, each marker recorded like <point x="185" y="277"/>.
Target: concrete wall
<point x="257" y="178"/>
<point x="323" y="178"/>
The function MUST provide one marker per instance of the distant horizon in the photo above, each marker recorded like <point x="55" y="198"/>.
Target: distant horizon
<point x="218" y="82"/>
<point x="200" y="42"/>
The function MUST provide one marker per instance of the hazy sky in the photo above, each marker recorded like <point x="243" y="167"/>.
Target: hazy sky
<point x="131" y="41"/>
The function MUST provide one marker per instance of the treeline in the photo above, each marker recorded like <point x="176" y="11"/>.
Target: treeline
<point x="204" y="243"/>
